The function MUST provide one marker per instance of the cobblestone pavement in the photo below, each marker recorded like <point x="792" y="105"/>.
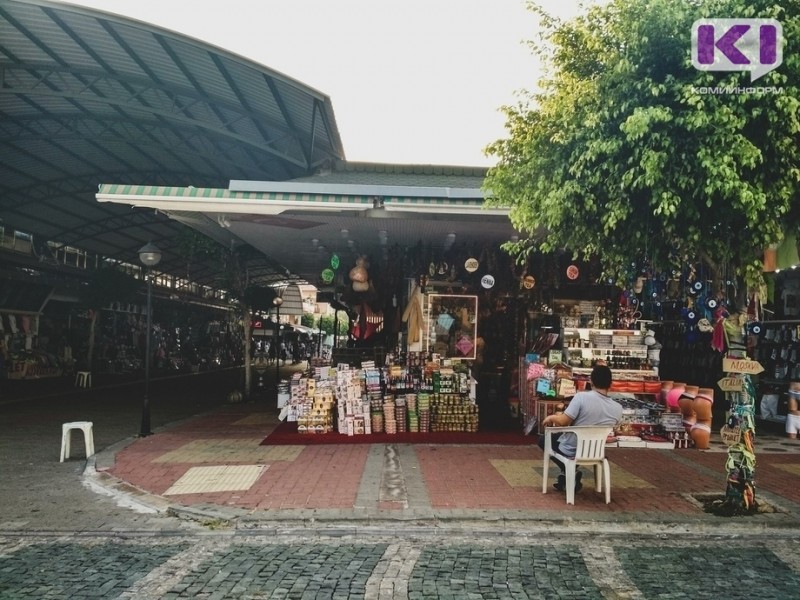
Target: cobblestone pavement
<point x="231" y="566"/>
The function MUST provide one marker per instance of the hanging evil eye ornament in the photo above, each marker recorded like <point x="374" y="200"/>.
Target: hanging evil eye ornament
<point x="755" y="328"/>
<point x="711" y="303"/>
<point x="690" y="315"/>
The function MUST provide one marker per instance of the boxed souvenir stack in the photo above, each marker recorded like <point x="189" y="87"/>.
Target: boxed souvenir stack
<point x="372" y="383"/>
<point x="389" y="418"/>
<point x="294" y="399"/>
<point x="424" y="408"/>
<point x="672" y="424"/>
<point x="319" y="418"/>
<point x="444" y="381"/>
<point x="453" y="412"/>
<point x="627" y="436"/>
<point x="353" y="407"/>
<point x="324" y="372"/>
<point x="400" y="413"/>
<point x="413" y="415"/>
<point x="283" y="393"/>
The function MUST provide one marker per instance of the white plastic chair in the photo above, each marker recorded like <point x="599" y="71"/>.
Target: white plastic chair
<point x="591" y="451"/>
<point x="66" y="435"/>
<point x="83" y="379"/>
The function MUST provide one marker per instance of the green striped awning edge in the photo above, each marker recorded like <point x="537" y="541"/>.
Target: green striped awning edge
<point x="120" y="189"/>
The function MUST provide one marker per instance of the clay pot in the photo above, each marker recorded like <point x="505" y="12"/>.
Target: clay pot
<point x="701" y="430"/>
<point x="674" y="395"/>
<point x="666" y="386"/>
<point x="686" y="404"/>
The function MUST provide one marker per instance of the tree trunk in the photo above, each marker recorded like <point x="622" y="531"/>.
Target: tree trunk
<point x="740" y="495"/>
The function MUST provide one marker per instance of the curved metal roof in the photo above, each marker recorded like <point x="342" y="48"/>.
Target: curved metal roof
<point x="90" y="97"/>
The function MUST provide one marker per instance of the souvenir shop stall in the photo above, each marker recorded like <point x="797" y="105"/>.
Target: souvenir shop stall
<point x="416" y="356"/>
<point x="21" y="356"/>
<point x="365" y="390"/>
<point x="666" y="331"/>
<point x="26" y="348"/>
<point x="520" y="339"/>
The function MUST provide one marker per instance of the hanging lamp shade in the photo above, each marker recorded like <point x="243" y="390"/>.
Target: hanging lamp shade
<point x="292" y="301"/>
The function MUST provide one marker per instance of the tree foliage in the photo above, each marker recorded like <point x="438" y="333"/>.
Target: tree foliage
<point x="326" y="324"/>
<point x="620" y="155"/>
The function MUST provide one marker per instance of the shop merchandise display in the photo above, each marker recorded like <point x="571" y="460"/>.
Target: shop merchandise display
<point x="777" y="350"/>
<point x="648" y="421"/>
<point x="414" y="396"/>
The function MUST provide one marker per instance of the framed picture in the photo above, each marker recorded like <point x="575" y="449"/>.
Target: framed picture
<point x="452" y="325"/>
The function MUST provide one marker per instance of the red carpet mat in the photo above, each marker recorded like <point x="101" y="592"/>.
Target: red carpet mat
<point x="286" y="434"/>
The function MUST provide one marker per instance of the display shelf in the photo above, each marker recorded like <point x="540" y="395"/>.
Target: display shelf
<point x="617" y="372"/>
<point x="620" y="349"/>
<point x="779" y="367"/>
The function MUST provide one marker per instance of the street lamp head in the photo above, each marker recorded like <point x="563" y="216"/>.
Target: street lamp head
<point x="277" y="300"/>
<point x="150" y="255"/>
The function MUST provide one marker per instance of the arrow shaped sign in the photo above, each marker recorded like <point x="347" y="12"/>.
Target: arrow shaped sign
<point x="741" y="365"/>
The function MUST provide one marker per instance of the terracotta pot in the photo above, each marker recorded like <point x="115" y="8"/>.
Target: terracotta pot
<point x="686" y="404"/>
<point x="701" y="430"/>
<point x="674" y="395"/>
<point x="701" y="436"/>
<point x="666" y="386"/>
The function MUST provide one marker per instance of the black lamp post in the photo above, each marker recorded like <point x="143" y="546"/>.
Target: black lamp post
<point x="150" y="256"/>
<point x="277" y="301"/>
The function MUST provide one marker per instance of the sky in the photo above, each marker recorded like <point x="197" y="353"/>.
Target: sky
<point x="411" y="82"/>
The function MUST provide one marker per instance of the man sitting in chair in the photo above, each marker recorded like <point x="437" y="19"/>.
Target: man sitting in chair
<point x="588" y="409"/>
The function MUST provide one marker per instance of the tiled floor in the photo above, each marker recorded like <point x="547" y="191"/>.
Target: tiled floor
<point x="229" y="450"/>
<point x="204" y="480"/>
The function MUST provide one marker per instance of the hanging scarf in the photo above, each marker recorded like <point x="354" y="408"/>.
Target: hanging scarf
<point x="412" y="315"/>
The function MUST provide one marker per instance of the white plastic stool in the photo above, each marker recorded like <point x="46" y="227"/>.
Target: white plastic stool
<point x="88" y="436"/>
<point x="83" y="379"/>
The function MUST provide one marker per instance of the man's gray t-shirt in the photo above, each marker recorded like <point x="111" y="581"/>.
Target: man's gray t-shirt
<point x="588" y="409"/>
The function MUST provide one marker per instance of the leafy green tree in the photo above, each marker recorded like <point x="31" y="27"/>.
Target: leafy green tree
<point x="308" y="320"/>
<point x="327" y="322"/>
<point x="622" y="155"/>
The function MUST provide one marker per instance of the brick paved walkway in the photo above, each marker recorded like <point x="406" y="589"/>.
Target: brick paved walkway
<point x="183" y="464"/>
